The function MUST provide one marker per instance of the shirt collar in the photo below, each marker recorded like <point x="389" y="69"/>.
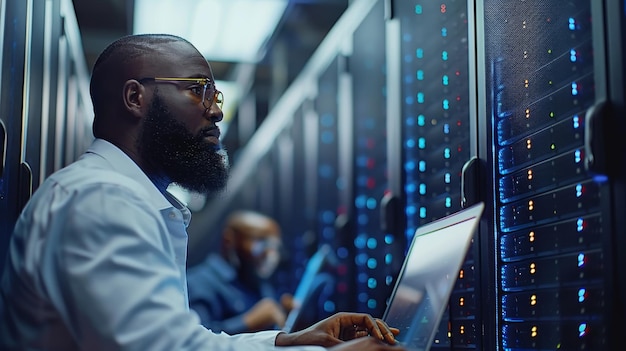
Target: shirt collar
<point x="121" y="163"/>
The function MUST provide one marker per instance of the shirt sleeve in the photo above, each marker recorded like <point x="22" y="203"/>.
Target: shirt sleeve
<point x="108" y="268"/>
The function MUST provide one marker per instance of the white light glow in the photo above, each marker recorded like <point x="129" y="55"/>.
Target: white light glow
<point x="222" y="30"/>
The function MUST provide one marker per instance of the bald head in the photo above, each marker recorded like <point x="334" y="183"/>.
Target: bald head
<point x="253" y="223"/>
<point x="251" y="242"/>
<point x="128" y="58"/>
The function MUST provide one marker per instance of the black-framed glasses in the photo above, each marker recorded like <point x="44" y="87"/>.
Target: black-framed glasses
<point x="210" y="95"/>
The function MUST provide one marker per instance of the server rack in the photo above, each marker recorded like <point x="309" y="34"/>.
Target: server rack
<point x="435" y="97"/>
<point x="553" y="229"/>
<point x="374" y="256"/>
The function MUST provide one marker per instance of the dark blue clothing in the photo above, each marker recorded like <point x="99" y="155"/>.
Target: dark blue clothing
<point x="219" y="298"/>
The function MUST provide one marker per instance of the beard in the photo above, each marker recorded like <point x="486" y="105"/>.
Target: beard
<point x="171" y="151"/>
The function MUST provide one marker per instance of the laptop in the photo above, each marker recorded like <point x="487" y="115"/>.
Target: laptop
<point x="427" y="277"/>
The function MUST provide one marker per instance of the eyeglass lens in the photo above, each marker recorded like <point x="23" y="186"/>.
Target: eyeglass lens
<point x="212" y="96"/>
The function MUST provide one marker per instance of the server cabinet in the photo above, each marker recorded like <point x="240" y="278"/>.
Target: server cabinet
<point x="435" y="72"/>
<point x="374" y="255"/>
<point x="542" y="71"/>
<point x="15" y="181"/>
<point x="331" y="211"/>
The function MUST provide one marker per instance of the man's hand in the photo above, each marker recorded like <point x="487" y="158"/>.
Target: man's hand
<point x="265" y="314"/>
<point x="342" y="327"/>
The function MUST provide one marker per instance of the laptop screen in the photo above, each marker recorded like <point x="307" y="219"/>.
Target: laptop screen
<point x="427" y="277"/>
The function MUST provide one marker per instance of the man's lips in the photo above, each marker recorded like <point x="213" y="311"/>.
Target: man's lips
<point x="212" y="134"/>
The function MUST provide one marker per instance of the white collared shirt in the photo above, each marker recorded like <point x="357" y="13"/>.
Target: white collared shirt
<point x="97" y="262"/>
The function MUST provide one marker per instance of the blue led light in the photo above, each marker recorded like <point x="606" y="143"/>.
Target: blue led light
<point x="444" y="32"/>
<point x="581" y="294"/>
<point x="446" y="153"/>
<point x="420" y="75"/>
<point x="418" y="9"/>
<point x="325" y="171"/>
<point x="578" y="156"/>
<point x="444" y="55"/>
<point x="362" y="161"/>
<point x="388" y="280"/>
<point x="422" y="166"/>
<point x="574" y="89"/>
<point x="409" y="100"/>
<point x="359" y="201"/>
<point x="422" y="212"/>
<point x="410" y="210"/>
<point x="582" y="330"/>
<point x="419" y="53"/>
<point x="572" y="55"/>
<point x="409" y="166"/>
<point x="329" y="306"/>
<point x="372" y="283"/>
<point x="360" y="260"/>
<point x="328" y="217"/>
<point x="572" y="23"/>
<point x="420" y="98"/>
<point x="576" y="121"/>
<point x="581" y="259"/>
<point x="423" y="189"/>
<point x="372" y="203"/>
<point x="447" y="178"/>
<point x="580" y="225"/>
<point x="371" y="303"/>
<point x="359" y="241"/>
<point x="342" y="252"/>
<point x="446" y="128"/>
<point x="445" y="80"/>
<point x="445" y="104"/>
<point x="421" y="143"/>
<point x="410" y="187"/>
<point x="327" y="120"/>
<point x="410" y="143"/>
<point x="389" y="239"/>
<point x="328" y="137"/>
<point x="448" y="202"/>
<point x="388" y="259"/>
<point x="421" y="120"/>
<point x="372" y="263"/>
<point x="362" y="297"/>
<point x="579" y="190"/>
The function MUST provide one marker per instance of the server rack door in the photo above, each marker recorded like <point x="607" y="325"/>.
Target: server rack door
<point x="436" y="140"/>
<point x="551" y="262"/>
<point x="330" y="183"/>
<point x="13" y="64"/>
<point x="371" y="246"/>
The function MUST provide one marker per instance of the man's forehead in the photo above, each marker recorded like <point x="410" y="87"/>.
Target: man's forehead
<point x="178" y="59"/>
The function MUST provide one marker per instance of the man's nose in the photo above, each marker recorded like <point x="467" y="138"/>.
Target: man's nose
<point x="214" y="113"/>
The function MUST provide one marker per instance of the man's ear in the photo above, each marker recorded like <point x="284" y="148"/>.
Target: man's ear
<point x="134" y="97"/>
